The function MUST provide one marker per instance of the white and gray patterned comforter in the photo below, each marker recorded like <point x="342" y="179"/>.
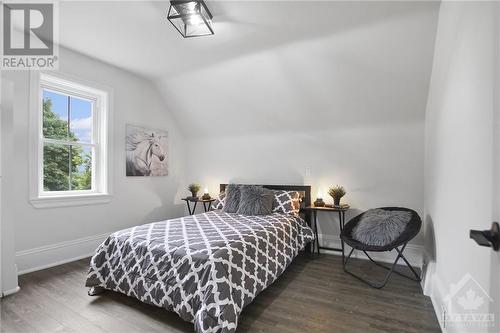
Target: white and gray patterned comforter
<point x="205" y="267"/>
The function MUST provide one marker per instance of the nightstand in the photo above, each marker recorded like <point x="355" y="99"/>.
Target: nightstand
<point x="328" y="209"/>
<point x="207" y="204"/>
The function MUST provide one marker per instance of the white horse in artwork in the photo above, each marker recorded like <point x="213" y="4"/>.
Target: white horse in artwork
<point x="141" y="149"/>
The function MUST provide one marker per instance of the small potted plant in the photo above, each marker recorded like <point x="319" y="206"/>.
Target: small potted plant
<point x="194" y="188"/>
<point x="337" y="192"/>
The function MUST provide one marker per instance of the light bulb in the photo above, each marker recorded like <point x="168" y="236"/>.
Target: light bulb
<point x="195" y="20"/>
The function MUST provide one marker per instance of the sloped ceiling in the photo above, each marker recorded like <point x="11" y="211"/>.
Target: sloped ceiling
<point x="271" y="66"/>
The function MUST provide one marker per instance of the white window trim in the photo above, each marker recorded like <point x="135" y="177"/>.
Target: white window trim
<point x="103" y="96"/>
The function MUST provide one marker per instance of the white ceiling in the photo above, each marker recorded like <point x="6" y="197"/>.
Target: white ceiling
<point x="270" y="65"/>
<point x="137" y="36"/>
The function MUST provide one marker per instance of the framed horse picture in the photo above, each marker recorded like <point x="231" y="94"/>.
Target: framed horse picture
<point x="146" y="151"/>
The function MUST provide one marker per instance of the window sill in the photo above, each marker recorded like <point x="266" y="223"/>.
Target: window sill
<point x="73" y="200"/>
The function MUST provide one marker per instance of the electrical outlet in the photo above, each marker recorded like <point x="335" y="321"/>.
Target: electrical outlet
<point x="308" y="171"/>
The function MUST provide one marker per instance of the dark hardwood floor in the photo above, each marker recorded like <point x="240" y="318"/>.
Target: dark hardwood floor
<point x="313" y="295"/>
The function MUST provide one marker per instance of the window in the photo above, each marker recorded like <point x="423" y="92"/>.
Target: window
<point x="70" y="125"/>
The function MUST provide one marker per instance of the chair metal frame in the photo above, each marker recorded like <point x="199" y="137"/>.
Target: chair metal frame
<point x="398" y="246"/>
<point x="391" y="269"/>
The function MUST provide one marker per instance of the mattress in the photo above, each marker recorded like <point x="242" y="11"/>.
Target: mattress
<point x="205" y="267"/>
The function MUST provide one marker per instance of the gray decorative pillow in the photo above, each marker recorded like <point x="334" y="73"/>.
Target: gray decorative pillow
<point x="232" y="198"/>
<point x="286" y="202"/>
<point x="379" y="227"/>
<point x="219" y="201"/>
<point x="255" y="200"/>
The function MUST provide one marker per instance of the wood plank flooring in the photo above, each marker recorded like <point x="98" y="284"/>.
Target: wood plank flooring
<point x="313" y="295"/>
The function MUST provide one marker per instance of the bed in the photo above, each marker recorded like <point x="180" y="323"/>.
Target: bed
<point x="205" y="267"/>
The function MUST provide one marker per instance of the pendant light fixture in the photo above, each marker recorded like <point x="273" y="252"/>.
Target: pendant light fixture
<point x="190" y="18"/>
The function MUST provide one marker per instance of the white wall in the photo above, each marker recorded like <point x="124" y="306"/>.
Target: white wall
<point x="348" y="101"/>
<point x="8" y="271"/>
<point x="381" y="165"/>
<point x="340" y="88"/>
<point x="44" y="236"/>
<point x="495" y="260"/>
<point x="459" y="144"/>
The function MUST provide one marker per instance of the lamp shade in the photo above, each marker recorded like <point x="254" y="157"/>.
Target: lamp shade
<point x="190" y="18"/>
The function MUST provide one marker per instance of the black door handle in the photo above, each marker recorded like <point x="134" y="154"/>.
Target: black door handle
<point x="488" y="238"/>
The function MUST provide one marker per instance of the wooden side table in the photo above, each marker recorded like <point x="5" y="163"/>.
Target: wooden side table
<point x="207" y="204"/>
<point x="328" y="209"/>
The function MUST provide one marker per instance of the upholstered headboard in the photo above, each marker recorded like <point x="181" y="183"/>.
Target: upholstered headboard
<point x="304" y="192"/>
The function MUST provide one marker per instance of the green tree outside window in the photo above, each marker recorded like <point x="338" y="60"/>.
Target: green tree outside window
<point x="65" y="167"/>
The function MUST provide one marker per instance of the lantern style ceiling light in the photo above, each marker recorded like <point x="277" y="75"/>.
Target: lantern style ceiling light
<point x="190" y="18"/>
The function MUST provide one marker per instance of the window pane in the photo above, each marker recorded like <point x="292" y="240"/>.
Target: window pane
<point x="56" y="167"/>
<point x="80" y="119"/>
<point x="81" y="175"/>
<point x="55" y="115"/>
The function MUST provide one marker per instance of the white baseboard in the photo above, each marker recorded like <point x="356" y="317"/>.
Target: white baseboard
<point x="10" y="291"/>
<point x="64" y="252"/>
<point x="413" y="253"/>
<point x="57" y="254"/>
<point x="435" y="290"/>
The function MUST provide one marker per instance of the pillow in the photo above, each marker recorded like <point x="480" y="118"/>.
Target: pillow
<point x="286" y="202"/>
<point x="219" y="201"/>
<point x="232" y="198"/>
<point x="255" y="200"/>
<point x="379" y="227"/>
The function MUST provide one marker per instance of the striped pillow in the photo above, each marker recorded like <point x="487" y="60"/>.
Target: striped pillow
<point x="286" y="202"/>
